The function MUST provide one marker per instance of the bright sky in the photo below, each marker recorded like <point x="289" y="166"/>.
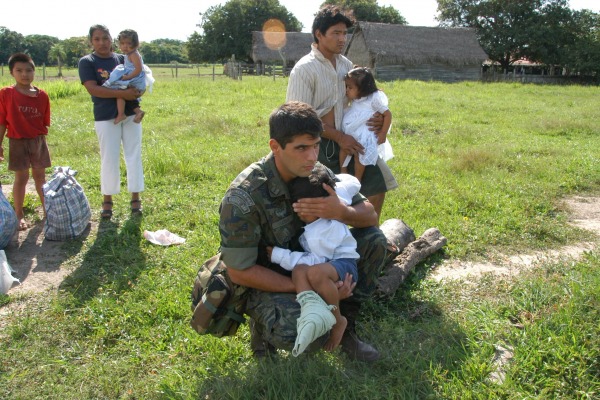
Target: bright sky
<point x="172" y="19"/>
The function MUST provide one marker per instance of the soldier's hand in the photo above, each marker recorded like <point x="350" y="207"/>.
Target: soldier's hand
<point x="345" y="287"/>
<point x="329" y="207"/>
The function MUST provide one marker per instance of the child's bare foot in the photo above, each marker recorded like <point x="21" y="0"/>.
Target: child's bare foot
<point x="23" y="224"/>
<point x="120" y="118"/>
<point x="336" y="333"/>
<point x="139" y="116"/>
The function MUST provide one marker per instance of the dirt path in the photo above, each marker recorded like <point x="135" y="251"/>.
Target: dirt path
<point x="584" y="213"/>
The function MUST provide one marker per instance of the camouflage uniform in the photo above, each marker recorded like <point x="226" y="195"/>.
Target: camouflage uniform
<point x="256" y="212"/>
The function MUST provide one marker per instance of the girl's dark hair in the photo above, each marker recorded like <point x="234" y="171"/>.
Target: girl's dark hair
<point x="364" y="79"/>
<point x="311" y="186"/>
<point x="130" y="34"/>
<point x="328" y="16"/>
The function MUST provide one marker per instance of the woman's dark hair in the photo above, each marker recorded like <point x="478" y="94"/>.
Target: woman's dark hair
<point x="311" y="186"/>
<point x="292" y="119"/>
<point x="97" y="27"/>
<point x="129" y="34"/>
<point x="328" y="16"/>
<point x="364" y="79"/>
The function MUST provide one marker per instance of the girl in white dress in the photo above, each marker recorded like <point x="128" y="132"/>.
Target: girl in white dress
<point x="366" y="100"/>
<point x="132" y="73"/>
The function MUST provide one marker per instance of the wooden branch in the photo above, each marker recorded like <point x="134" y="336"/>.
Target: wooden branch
<point x="415" y="252"/>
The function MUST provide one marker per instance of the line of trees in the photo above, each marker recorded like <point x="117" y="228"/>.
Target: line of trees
<point x="50" y="50"/>
<point x="543" y="31"/>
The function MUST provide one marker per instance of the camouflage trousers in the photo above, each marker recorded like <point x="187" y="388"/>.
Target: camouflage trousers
<point x="275" y="314"/>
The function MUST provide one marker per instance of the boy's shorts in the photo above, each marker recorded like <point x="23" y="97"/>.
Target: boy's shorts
<point x="345" y="266"/>
<point x="28" y="153"/>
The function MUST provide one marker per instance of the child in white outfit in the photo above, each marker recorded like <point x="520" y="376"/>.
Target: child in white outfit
<point x="330" y="254"/>
<point x="366" y="99"/>
<point x="133" y="72"/>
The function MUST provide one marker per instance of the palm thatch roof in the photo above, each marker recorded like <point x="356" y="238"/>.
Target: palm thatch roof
<point x="417" y="45"/>
<point x="293" y="45"/>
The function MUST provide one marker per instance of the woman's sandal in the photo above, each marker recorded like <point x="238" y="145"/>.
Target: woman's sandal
<point x="106" y="213"/>
<point x="138" y="209"/>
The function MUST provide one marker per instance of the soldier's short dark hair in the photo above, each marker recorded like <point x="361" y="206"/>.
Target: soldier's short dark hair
<point x="311" y="186"/>
<point x="292" y="119"/>
<point x="330" y="15"/>
<point x="20" y="57"/>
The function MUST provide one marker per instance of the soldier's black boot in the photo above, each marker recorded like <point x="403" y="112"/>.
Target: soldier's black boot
<point x="351" y="344"/>
<point x="260" y="347"/>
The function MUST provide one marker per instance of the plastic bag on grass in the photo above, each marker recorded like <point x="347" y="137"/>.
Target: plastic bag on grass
<point x="6" y="278"/>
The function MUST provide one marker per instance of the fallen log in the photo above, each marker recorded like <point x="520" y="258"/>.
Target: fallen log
<point x="412" y="254"/>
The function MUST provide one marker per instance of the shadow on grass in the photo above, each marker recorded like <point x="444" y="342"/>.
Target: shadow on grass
<point x="31" y="252"/>
<point x="114" y="260"/>
<point x="417" y="342"/>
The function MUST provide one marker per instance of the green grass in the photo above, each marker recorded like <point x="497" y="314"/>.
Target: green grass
<point x="487" y="164"/>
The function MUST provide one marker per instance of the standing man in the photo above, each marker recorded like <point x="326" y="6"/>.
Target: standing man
<point x="318" y="79"/>
<point x="256" y="213"/>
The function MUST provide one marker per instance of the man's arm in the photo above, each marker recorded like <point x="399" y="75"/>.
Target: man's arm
<point x="360" y="215"/>
<point x="385" y="128"/>
<point x="261" y="278"/>
<point x="347" y="143"/>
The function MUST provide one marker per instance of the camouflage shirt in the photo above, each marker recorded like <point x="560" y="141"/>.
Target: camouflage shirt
<point x="256" y="212"/>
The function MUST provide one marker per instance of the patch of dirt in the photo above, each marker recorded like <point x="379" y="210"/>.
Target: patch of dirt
<point x="36" y="262"/>
<point x="584" y="212"/>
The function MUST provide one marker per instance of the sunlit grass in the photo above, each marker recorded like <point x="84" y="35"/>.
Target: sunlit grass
<point x="487" y="164"/>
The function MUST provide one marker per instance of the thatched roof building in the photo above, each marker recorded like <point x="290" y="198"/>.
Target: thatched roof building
<point x="274" y="47"/>
<point x="416" y="52"/>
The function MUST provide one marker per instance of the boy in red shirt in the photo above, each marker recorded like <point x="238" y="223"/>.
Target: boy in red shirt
<point x="25" y="115"/>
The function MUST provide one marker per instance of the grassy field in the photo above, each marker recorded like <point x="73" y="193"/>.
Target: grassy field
<point x="487" y="164"/>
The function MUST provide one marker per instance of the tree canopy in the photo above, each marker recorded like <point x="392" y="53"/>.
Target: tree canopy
<point x="545" y="31"/>
<point x="10" y="42"/>
<point x="228" y="28"/>
<point x="370" y="11"/>
<point x="164" y="51"/>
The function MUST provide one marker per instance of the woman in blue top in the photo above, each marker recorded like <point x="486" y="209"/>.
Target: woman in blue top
<point x="94" y="70"/>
